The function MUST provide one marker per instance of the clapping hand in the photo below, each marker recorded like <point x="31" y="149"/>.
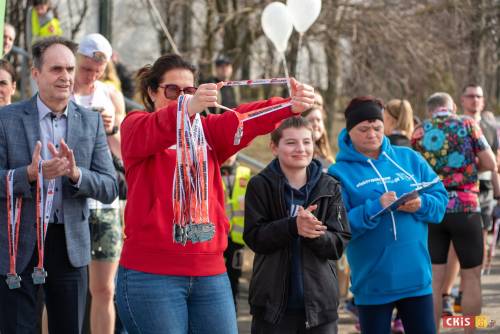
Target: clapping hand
<point x="308" y="226"/>
<point x="72" y="171"/>
<point x="57" y="166"/>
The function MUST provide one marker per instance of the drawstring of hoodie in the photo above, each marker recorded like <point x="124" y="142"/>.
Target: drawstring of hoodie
<point x="386" y="190"/>
<point x="400" y="168"/>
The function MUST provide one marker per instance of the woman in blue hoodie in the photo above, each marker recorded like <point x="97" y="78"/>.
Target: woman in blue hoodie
<point x="390" y="264"/>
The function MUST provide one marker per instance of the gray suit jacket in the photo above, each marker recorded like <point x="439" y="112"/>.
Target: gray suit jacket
<point x="19" y="131"/>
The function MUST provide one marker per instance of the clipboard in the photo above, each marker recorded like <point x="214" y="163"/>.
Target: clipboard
<point x="406" y="197"/>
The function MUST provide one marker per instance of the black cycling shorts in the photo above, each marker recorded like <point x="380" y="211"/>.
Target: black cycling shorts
<point x="465" y="231"/>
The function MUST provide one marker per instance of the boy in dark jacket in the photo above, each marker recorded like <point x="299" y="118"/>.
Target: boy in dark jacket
<point x="296" y="224"/>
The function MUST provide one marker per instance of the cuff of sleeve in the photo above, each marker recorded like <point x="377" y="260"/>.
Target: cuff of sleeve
<point x="292" y="227"/>
<point x="79" y="182"/>
<point x="423" y="204"/>
<point x="372" y="207"/>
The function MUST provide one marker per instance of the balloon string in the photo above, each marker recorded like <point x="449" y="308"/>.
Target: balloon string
<point x="297" y="63"/>
<point x="287" y="75"/>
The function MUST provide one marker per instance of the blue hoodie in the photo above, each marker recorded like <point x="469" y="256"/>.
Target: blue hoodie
<point x="388" y="255"/>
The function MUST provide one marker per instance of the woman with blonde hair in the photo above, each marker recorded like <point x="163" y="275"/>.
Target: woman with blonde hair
<point x="398" y="122"/>
<point x="322" y="151"/>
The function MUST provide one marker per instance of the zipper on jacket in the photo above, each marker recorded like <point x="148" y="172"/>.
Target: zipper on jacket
<point x="307" y="324"/>
<point x="284" y="294"/>
<point x="339" y="217"/>
<point x="285" y="282"/>
<point x="339" y="210"/>
<point x="303" y="284"/>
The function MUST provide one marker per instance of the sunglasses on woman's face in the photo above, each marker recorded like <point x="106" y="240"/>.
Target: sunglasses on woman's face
<point x="172" y="91"/>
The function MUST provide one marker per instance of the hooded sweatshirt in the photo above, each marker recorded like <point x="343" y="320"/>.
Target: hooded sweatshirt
<point x="388" y="255"/>
<point x="295" y="198"/>
<point x="149" y="155"/>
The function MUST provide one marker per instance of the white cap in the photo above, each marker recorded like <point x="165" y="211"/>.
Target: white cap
<point x="95" y="46"/>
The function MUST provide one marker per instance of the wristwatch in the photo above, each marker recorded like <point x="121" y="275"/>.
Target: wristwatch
<point x="114" y="131"/>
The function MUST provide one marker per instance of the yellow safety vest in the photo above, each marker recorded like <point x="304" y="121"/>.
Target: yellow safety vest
<point x="51" y="28"/>
<point x="235" y="205"/>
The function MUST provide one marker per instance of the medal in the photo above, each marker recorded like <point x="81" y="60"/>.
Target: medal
<point x="13" y="223"/>
<point x="43" y="212"/>
<point x="13" y="281"/>
<point x="39" y="275"/>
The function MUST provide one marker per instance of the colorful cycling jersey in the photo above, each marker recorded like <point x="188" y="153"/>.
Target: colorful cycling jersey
<point x="450" y="144"/>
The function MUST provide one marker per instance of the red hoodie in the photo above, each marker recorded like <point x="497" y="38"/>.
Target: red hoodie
<point x="148" y="149"/>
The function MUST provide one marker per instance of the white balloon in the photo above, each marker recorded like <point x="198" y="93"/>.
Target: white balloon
<point x="277" y="24"/>
<point x="303" y="13"/>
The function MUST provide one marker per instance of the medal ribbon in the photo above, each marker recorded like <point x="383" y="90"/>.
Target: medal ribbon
<point x="43" y="211"/>
<point x="273" y="81"/>
<point x="13" y="221"/>
<point x="243" y="117"/>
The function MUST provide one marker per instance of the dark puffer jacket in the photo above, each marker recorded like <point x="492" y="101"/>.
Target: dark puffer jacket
<point x="269" y="232"/>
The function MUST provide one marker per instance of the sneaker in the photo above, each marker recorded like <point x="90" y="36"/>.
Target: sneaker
<point x="397" y="327"/>
<point x="351" y="308"/>
<point x="457" y="306"/>
<point x="447" y="305"/>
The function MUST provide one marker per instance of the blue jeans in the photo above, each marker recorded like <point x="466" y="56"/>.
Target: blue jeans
<point x="150" y="303"/>
<point x="417" y="314"/>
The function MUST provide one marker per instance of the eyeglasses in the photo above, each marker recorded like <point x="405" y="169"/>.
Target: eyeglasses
<point x="471" y="96"/>
<point x="172" y="91"/>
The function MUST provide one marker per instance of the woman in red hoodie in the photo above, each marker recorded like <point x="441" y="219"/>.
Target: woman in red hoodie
<point x="167" y="286"/>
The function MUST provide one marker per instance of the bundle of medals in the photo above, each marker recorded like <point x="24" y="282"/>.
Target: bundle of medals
<point x="190" y="186"/>
<point x="190" y="189"/>
<point x="43" y="211"/>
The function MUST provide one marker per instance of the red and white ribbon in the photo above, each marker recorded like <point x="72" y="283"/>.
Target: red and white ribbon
<point x="243" y="117"/>
<point x="43" y="212"/>
<point x="13" y="223"/>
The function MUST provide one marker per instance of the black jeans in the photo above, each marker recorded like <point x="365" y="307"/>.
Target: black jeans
<point x="234" y="262"/>
<point x="65" y="292"/>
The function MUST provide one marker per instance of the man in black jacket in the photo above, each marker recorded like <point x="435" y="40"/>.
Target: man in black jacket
<point x="294" y="285"/>
<point x="228" y="95"/>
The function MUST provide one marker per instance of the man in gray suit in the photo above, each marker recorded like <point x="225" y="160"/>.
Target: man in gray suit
<point x="34" y="130"/>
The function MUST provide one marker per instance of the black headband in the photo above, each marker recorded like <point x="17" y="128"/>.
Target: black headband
<point x="361" y="112"/>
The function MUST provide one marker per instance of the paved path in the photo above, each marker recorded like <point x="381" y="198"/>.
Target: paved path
<point x="491" y="303"/>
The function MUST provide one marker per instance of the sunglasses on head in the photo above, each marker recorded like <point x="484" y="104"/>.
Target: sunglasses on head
<point x="172" y="91"/>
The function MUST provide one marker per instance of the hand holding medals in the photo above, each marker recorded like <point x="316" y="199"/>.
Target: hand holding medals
<point x="205" y="97"/>
<point x="302" y="96"/>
